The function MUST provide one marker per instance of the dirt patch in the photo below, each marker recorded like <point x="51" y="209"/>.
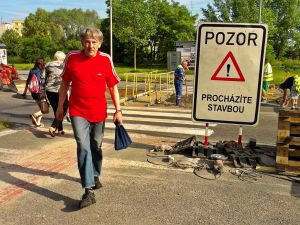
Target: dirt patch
<point x="168" y="100"/>
<point x="187" y="100"/>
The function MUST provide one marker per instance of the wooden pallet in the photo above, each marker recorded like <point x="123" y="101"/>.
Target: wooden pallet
<point x="288" y="141"/>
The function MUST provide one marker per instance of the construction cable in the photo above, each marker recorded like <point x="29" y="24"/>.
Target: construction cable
<point x="206" y="170"/>
<point x="250" y="175"/>
<point x="185" y="164"/>
<point x="161" y="160"/>
<point x="254" y="175"/>
<point x="285" y="177"/>
<point x="168" y="160"/>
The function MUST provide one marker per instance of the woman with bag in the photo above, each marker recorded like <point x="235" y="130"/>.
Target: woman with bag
<point x="38" y="92"/>
<point x="53" y="71"/>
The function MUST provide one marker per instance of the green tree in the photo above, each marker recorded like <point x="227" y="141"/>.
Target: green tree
<point x="281" y="16"/>
<point x="287" y="22"/>
<point x="293" y="50"/>
<point x="133" y="23"/>
<point x="57" y="30"/>
<point x="37" y="46"/>
<point x="12" y="40"/>
<point x="238" y="11"/>
<point x="41" y="24"/>
<point x="118" y="47"/>
<point x="174" y="23"/>
<point x="72" y="21"/>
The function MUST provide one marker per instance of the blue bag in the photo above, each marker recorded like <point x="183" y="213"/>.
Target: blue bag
<point x="122" y="139"/>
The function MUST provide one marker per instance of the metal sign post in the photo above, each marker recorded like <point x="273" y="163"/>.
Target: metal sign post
<point x="228" y="73"/>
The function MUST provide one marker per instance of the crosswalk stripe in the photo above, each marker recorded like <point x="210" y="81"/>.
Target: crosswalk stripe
<point x="153" y="109"/>
<point x="153" y="114"/>
<point x="160" y="121"/>
<point x="12" y="131"/>
<point x="160" y="129"/>
<point x="169" y="120"/>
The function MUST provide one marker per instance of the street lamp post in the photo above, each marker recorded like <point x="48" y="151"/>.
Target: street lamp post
<point x="259" y="16"/>
<point x="111" y="37"/>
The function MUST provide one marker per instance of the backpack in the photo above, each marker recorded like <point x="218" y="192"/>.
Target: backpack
<point x="33" y="85"/>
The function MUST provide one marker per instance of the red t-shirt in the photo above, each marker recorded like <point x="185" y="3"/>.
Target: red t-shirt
<point x="89" y="77"/>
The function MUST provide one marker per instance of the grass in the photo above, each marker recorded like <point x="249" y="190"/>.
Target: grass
<point x="143" y="69"/>
<point x="280" y="73"/>
<point x="23" y="66"/>
<point x="5" y="124"/>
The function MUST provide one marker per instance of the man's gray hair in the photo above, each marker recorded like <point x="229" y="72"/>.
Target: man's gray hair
<point x="91" y="32"/>
<point x="59" y="55"/>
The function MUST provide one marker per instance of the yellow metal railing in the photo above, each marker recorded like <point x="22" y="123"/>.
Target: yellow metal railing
<point x="152" y="82"/>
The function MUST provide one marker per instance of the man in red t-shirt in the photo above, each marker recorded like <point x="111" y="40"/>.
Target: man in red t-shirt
<point x="90" y="71"/>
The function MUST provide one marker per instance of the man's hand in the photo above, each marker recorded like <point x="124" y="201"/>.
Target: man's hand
<point x="118" y="116"/>
<point x="59" y="113"/>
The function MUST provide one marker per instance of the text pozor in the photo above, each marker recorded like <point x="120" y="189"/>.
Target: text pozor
<point x="231" y="38"/>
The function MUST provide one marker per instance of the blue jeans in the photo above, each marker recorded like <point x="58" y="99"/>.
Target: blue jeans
<point x="89" y="138"/>
<point x="178" y="88"/>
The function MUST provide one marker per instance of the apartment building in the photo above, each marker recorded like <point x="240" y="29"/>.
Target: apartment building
<point x="18" y="25"/>
<point x="4" y="27"/>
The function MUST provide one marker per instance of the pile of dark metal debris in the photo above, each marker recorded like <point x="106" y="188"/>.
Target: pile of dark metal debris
<point x="248" y="156"/>
<point x="207" y="160"/>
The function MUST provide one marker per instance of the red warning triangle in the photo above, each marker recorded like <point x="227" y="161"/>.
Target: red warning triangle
<point x="236" y="66"/>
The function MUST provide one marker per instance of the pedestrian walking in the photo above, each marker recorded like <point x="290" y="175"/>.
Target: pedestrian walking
<point x="39" y="95"/>
<point x="53" y="71"/>
<point x="90" y="72"/>
<point x="179" y="77"/>
<point x="267" y="78"/>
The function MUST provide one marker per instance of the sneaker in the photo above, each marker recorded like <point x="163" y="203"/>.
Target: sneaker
<point x="52" y="131"/>
<point x="88" y="198"/>
<point x="61" y="132"/>
<point x="41" y="125"/>
<point x="98" y="184"/>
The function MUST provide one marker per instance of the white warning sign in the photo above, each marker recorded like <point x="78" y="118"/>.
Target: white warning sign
<point x="228" y="73"/>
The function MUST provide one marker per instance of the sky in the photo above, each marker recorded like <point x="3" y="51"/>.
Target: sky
<point x="20" y="9"/>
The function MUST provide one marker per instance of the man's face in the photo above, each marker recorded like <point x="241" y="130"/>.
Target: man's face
<point x="91" y="46"/>
<point x="185" y="66"/>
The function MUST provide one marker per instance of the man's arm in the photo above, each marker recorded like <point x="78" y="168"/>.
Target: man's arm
<point x="63" y="90"/>
<point x="114" y="93"/>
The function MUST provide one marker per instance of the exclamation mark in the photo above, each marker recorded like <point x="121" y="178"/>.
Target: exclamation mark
<point x="228" y="68"/>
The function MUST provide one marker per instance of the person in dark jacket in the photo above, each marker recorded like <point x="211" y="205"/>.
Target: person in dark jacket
<point x="38" y="70"/>
<point x="287" y="84"/>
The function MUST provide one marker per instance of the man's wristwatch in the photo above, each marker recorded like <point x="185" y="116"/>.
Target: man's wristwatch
<point x="117" y="111"/>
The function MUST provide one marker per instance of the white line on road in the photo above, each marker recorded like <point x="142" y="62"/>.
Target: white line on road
<point x="160" y="129"/>
<point x="157" y="120"/>
<point x="12" y="131"/>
